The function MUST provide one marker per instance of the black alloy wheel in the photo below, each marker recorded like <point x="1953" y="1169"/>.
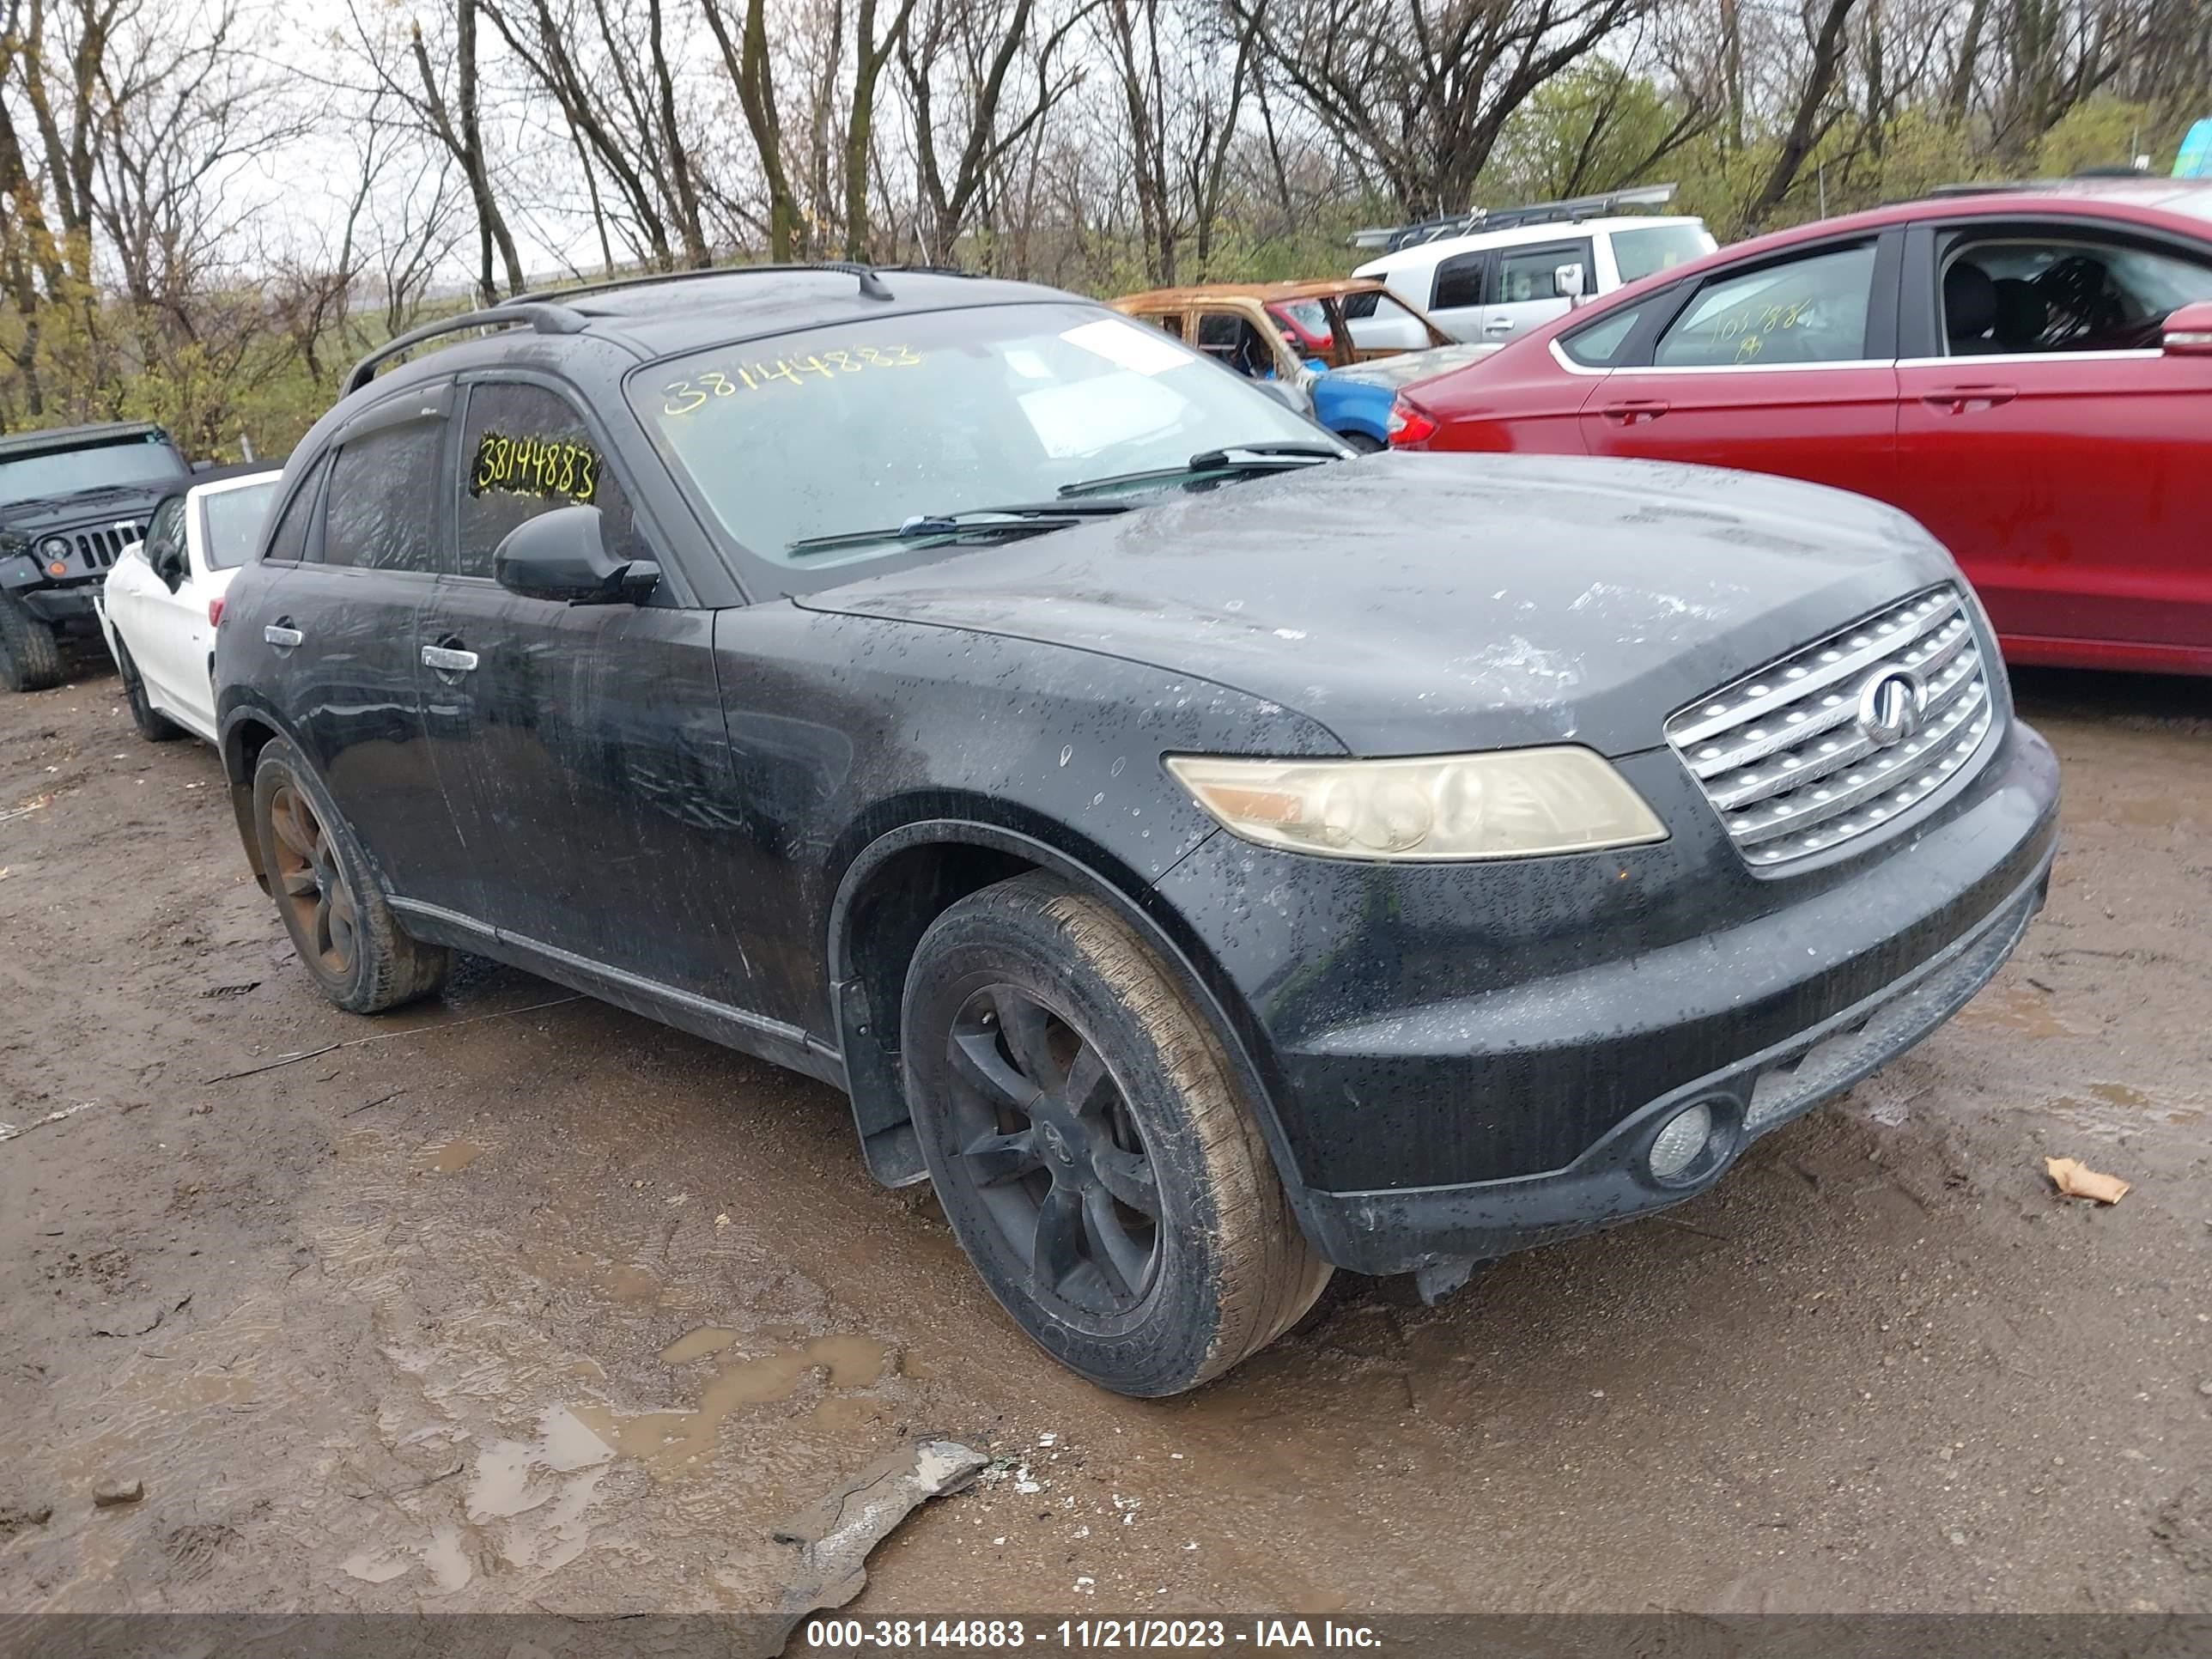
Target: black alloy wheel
<point x="1047" y="1143"/>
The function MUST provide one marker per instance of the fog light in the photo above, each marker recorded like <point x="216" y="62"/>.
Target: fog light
<point x="1682" y="1141"/>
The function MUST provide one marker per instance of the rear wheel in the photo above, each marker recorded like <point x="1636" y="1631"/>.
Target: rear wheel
<point x="30" y="655"/>
<point x="331" y="905"/>
<point x="1090" y="1147"/>
<point x="152" y="724"/>
<point x="1365" y="443"/>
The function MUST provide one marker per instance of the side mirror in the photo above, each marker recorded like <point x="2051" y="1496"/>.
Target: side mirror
<point x="2188" y="331"/>
<point x="1568" y="280"/>
<point x="202" y="466"/>
<point x="563" y="556"/>
<point x="168" y="562"/>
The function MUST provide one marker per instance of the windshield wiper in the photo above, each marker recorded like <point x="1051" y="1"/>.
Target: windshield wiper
<point x="1023" y="518"/>
<point x="1235" y="460"/>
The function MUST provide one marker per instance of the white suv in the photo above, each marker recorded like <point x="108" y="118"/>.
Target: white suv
<point x="1491" y="286"/>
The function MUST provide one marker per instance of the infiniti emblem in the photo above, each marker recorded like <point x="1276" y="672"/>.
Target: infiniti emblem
<point x="1890" y="708"/>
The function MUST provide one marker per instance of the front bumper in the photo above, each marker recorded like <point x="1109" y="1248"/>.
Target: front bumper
<point x="1462" y="1062"/>
<point x="1398" y="1231"/>
<point x="60" y="605"/>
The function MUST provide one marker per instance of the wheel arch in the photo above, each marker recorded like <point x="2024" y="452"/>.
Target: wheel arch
<point x="907" y="876"/>
<point x="241" y="739"/>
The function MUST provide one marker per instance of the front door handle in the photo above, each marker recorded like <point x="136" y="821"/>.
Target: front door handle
<point x="1498" y="326"/>
<point x="1964" y="399"/>
<point x="448" y="660"/>
<point x="1633" y="410"/>
<point x="283" y="636"/>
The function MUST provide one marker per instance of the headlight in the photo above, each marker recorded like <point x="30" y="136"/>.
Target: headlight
<point x="54" y="547"/>
<point x="1511" y="803"/>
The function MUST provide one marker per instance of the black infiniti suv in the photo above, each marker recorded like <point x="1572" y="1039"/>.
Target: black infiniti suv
<point x="71" y="499"/>
<point x="1210" y="860"/>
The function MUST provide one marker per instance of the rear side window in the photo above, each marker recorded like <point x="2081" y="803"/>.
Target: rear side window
<point x="380" y="515"/>
<point x="1807" y="310"/>
<point x="1459" y="281"/>
<point x="526" y="450"/>
<point x="1637" y="253"/>
<point x="290" y="539"/>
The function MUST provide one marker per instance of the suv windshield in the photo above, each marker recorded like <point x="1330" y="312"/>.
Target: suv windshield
<point x="830" y="432"/>
<point x="233" y="518"/>
<point x="141" y="459"/>
<point x="1637" y="253"/>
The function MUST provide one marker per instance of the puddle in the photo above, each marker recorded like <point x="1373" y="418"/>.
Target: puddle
<point x="2120" y="1109"/>
<point x="666" y="1441"/>
<point x="696" y="1345"/>
<point x="451" y="1156"/>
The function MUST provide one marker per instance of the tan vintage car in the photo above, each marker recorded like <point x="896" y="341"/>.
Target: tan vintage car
<point x="1297" y="335"/>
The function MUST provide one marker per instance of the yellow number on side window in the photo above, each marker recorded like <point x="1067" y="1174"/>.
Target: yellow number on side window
<point x="683" y="398"/>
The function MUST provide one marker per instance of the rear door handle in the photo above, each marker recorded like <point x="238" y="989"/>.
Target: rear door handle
<point x="1964" y="399"/>
<point x="448" y="660"/>
<point x="283" y="636"/>
<point x="1632" y="411"/>
<point x="1498" y="326"/>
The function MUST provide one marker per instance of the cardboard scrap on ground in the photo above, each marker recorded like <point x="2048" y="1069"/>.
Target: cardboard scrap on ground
<point x="2075" y="1179"/>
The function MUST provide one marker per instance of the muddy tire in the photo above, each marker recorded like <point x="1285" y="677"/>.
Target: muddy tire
<point x="328" y="898"/>
<point x="1090" y="1146"/>
<point x="30" y="655"/>
<point x="152" y="724"/>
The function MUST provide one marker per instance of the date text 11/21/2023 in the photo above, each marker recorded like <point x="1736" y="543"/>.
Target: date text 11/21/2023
<point x="989" y="1636"/>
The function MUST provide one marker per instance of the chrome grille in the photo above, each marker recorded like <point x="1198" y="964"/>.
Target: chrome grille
<point x="1794" y="763"/>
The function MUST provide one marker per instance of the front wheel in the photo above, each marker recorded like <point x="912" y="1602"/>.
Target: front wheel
<point x="30" y="653"/>
<point x="1090" y="1146"/>
<point x="1364" y="443"/>
<point x="152" y="724"/>
<point x="331" y="905"/>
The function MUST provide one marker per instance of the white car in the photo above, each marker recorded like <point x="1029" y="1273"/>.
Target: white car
<point x="159" y="606"/>
<point x="1491" y="286"/>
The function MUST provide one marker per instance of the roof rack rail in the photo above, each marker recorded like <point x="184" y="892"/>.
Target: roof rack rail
<point x="871" y="287"/>
<point x="545" y="310"/>
<point x="1391" y="238"/>
<point x="543" y="318"/>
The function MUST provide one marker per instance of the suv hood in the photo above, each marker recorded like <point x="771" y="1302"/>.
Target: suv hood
<point x="106" y="505"/>
<point x="1422" y="604"/>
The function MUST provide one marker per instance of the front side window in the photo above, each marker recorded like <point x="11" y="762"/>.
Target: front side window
<point x="380" y="514"/>
<point x="143" y="459"/>
<point x="2019" y="291"/>
<point x="231" y="521"/>
<point x="839" y="430"/>
<point x="1637" y="253"/>
<point x="1808" y="310"/>
<point x="1525" y="274"/>
<point x="166" y="529"/>
<point x="526" y="450"/>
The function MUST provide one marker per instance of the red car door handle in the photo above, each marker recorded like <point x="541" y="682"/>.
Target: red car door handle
<point x="1632" y="411"/>
<point x="1962" y="399"/>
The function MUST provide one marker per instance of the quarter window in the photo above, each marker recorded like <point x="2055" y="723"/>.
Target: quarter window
<point x="289" y="541"/>
<point x="1459" y="281"/>
<point x="380" y="515"/>
<point x="1808" y="310"/>
<point x="526" y="450"/>
<point x="1604" y="343"/>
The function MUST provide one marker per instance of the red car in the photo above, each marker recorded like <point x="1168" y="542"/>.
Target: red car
<point x="2027" y="371"/>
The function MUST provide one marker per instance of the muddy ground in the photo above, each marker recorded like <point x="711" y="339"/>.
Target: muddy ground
<point x="511" y="1300"/>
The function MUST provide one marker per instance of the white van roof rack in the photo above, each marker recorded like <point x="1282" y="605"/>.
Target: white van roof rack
<point x="1390" y="238"/>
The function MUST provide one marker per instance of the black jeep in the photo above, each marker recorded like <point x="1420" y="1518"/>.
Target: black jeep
<point x="71" y="500"/>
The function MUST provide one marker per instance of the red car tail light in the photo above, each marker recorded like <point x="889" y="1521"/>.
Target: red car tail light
<point x="1409" y="428"/>
<point x="214" y="611"/>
